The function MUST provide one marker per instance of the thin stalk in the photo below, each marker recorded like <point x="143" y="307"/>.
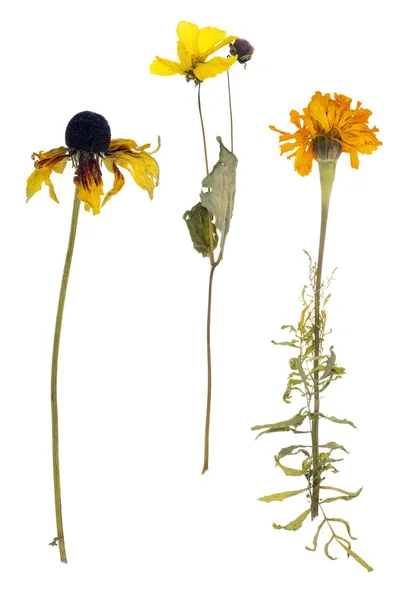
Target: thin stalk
<point x="203" y="131"/>
<point x="209" y="379"/>
<point x="54" y="372"/>
<point x="327" y="176"/>
<point x="213" y="267"/>
<point x="230" y="109"/>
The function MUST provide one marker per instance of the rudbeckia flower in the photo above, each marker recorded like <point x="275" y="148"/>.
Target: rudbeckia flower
<point x="327" y="118"/>
<point x="195" y="46"/>
<point x="88" y="142"/>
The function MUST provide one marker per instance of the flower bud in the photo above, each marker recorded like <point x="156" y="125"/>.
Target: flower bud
<point x="242" y="49"/>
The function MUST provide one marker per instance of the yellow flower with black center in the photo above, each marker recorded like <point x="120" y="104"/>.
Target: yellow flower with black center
<point x="327" y="118"/>
<point x="88" y="141"/>
<point x="195" y="46"/>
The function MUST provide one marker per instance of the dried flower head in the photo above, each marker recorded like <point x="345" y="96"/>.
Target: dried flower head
<point x="88" y="141"/>
<point x="327" y="118"/>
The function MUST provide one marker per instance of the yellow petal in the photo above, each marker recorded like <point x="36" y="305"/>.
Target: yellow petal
<point x="213" y="67"/>
<point x="163" y="66"/>
<point x="90" y="197"/>
<point x="35" y="182"/>
<point x="223" y="41"/>
<point x="119" y="180"/>
<point x="184" y="57"/>
<point x="208" y="38"/>
<point x="187" y="34"/>
<point x="143" y="168"/>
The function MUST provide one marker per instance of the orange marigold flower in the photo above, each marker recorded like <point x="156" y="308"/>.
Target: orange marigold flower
<point x="88" y="141"/>
<point x="329" y="118"/>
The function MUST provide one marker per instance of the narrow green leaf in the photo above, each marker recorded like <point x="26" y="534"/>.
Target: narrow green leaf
<point x="360" y="560"/>
<point x="221" y="184"/>
<point x="292" y="344"/>
<point x="295" y="421"/>
<point x="315" y="540"/>
<point x="197" y="220"/>
<point x="334" y="446"/>
<point x="289" y="450"/>
<point x="288" y="470"/>
<point x="282" y="496"/>
<point x="330" y="363"/>
<point x="336" y="420"/>
<point x="348" y="496"/>
<point x="326" y="548"/>
<point x="295" y="524"/>
<point x="346" y="524"/>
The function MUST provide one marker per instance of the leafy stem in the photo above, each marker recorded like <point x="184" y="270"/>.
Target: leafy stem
<point x="327" y="176"/>
<point x="54" y="373"/>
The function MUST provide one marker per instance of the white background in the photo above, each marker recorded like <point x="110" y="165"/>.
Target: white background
<point x="140" y="521"/>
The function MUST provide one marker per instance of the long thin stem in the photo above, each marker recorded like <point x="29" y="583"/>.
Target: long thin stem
<point x="327" y="176"/>
<point x="209" y="374"/>
<point x="213" y="267"/>
<point x="207" y="173"/>
<point x="230" y="108"/>
<point x="54" y="372"/>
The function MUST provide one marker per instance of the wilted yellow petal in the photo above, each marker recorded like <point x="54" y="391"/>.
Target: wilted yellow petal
<point x="213" y="67"/>
<point x="91" y="197"/>
<point x="163" y="66"/>
<point x="119" y="180"/>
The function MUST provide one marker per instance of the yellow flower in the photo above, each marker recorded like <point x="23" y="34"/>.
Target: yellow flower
<point x="88" y="140"/>
<point x="195" y="46"/>
<point x="332" y="119"/>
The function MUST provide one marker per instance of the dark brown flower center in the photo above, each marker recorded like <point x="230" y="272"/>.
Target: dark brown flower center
<point x="88" y="132"/>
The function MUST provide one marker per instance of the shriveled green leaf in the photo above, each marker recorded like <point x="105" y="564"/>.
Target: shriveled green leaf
<point x="330" y="363"/>
<point x="348" y="495"/>
<point x="289" y="470"/>
<point x="346" y="524"/>
<point x="291" y="327"/>
<point x="302" y="373"/>
<point x="289" y="450"/>
<point x="326" y="548"/>
<point x="334" y="446"/>
<point x="221" y="184"/>
<point x="197" y="220"/>
<point x="289" y="425"/>
<point x="315" y="540"/>
<point x="292" y="344"/>
<point x="295" y="524"/>
<point x="282" y="496"/>
<point x="360" y="560"/>
<point x="336" y="420"/>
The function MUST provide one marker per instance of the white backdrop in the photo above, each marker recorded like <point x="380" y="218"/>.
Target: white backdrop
<point x="140" y="521"/>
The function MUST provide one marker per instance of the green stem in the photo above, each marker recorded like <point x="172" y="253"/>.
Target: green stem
<point x="327" y="176"/>
<point x="54" y="372"/>
<point x="208" y="412"/>
<point x="230" y="108"/>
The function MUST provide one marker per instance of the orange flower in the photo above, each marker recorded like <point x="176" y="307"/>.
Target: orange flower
<point x="332" y="119"/>
<point x="88" y="139"/>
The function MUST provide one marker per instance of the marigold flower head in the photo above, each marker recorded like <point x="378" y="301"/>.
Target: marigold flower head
<point x="195" y="46"/>
<point x="88" y="141"/>
<point x="330" y="119"/>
